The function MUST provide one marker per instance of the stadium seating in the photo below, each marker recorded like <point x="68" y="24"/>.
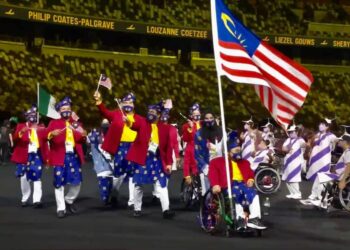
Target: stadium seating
<point x="263" y="16"/>
<point x="64" y="71"/>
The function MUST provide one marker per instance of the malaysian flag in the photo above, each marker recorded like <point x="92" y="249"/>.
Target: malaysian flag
<point x="105" y="81"/>
<point x="281" y="84"/>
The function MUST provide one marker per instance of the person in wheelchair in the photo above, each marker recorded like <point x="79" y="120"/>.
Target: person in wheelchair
<point x="268" y="134"/>
<point x="340" y="173"/>
<point x="263" y="155"/>
<point x="242" y="176"/>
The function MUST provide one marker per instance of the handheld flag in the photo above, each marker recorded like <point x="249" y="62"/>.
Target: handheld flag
<point x="281" y="84"/>
<point x="105" y="82"/>
<point x="46" y="104"/>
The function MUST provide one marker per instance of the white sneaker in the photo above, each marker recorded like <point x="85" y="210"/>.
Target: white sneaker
<point x="296" y="196"/>
<point x="312" y="197"/>
<point x="289" y="196"/>
<point x="306" y="202"/>
<point x="318" y="203"/>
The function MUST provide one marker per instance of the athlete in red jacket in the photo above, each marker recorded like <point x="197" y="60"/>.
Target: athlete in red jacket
<point x="242" y="183"/>
<point x="30" y="155"/>
<point x="151" y="154"/>
<point x="66" y="157"/>
<point x="189" y="130"/>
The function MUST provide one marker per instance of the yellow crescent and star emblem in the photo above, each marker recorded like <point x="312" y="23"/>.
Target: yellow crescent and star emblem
<point x="226" y="19"/>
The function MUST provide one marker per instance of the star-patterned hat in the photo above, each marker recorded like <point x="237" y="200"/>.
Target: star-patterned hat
<point x="232" y="140"/>
<point x="156" y="107"/>
<point x="32" y="111"/>
<point x="64" y="102"/>
<point x="129" y="97"/>
<point x="194" y="107"/>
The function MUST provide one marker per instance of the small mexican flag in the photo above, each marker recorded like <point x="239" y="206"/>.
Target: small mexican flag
<point x="46" y="104"/>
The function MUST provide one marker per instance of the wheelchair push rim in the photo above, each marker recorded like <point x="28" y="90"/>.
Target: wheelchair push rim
<point x="212" y="212"/>
<point x="267" y="180"/>
<point x="190" y="193"/>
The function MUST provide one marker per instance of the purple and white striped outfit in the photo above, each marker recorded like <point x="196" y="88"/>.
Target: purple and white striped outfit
<point x="248" y="148"/>
<point x="293" y="160"/>
<point x="260" y="157"/>
<point x="325" y="177"/>
<point x="320" y="159"/>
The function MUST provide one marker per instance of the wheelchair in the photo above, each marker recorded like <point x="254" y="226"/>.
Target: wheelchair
<point x="190" y="194"/>
<point x="334" y="198"/>
<point x="215" y="216"/>
<point x="267" y="178"/>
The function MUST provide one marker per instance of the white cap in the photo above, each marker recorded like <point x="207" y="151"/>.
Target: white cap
<point x="267" y="124"/>
<point x="329" y="121"/>
<point x="292" y="128"/>
<point x="105" y="121"/>
<point x="249" y="121"/>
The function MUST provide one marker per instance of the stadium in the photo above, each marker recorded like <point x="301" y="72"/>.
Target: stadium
<point x="142" y="45"/>
<point x="158" y="50"/>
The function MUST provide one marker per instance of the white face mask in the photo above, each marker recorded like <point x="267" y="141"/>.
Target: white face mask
<point x="266" y="130"/>
<point x="322" y="127"/>
<point x="293" y="135"/>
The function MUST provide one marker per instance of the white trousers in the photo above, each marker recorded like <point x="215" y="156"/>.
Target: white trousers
<point x="254" y="209"/>
<point x="204" y="183"/>
<point x="117" y="182"/>
<point x="61" y="199"/>
<point x="293" y="188"/>
<point x="317" y="186"/>
<point x="131" y="200"/>
<point x="174" y="166"/>
<point x="158" y="189"/>
<point x="27" y="191"/>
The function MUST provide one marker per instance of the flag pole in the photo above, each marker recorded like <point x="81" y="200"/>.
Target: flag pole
<point x="224" y="134"/>
<point x="98" y="85"/>
<point x="120" y="107"/>
<point x="222" y="112"/>
<point x="38" y="100"/>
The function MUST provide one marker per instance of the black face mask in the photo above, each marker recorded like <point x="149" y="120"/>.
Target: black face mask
<point x="196" y="118"/>
<point x="128" y="108"/>
<point x="151" y="117"/>
<point x="209" y="123"/>
<point x="164" y="118"/>
<point x="236" y="156"/>
<point x="32" y="119"/>
<point x="66" y="114"/>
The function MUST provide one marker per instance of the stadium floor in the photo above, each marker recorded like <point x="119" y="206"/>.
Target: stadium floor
<point x="291" y="226"/>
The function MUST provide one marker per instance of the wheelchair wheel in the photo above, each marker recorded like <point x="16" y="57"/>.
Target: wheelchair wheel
<point x="344" y="196"/>
<point x="212" y="212"/>
<point x="190" y="193"/>
<point x="267" y="180"/>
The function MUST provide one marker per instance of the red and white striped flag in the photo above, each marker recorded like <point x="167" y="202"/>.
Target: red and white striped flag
<point x="281" y="83"/>
<point x="105" y="81"/>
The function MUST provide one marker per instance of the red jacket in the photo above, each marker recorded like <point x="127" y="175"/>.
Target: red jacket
<point x="173" y="140"/>
<point x="114" y="133"/>
<point x="217" y="171"/>
<point x="57" y="143"/>
<point x="20" y="152"/>
<point x="138" y="150"/>
<point x="188" y="133"/>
